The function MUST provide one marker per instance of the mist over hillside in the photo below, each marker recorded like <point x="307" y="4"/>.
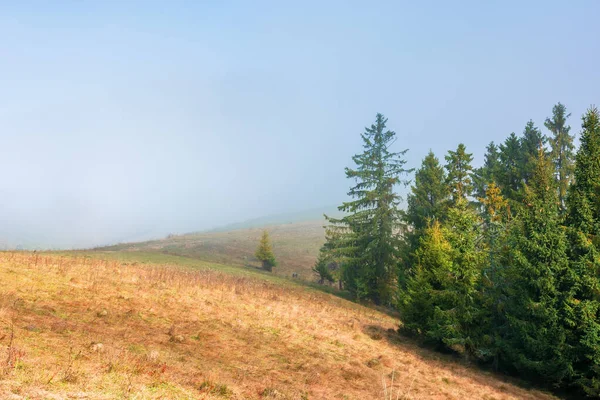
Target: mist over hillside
<point x="14" y="236"/>
<point x="315" y="214"/>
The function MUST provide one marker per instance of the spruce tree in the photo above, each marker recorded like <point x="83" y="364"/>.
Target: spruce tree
<point x="530" y="142"/>
<point x="582" y="280"/>
<point x="429" y="193"/>
<point x="459" y="179"/>
<point x="442" y="299"/>
<point x="323" y="267"/>
<point x="563" y="150"/>
<point x="264" y="252"/>
<point x="416" y="302"/>
<point x="456" y="319"/>
<point x="510" y="175"/>
<point x="488" y="172"/>
<point x="495" y="216"/>
<point x="427" y="202"/>
<point x="532" y="340"/>
<point x="497" y="219"/>
<point x="368" y="237"/>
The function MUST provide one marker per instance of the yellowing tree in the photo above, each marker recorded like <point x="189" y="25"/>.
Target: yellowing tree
<point x="264" y="252"/>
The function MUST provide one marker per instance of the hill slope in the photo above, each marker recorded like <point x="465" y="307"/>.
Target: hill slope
<point x="104" y="329"/>
<point x="296" y="246"/>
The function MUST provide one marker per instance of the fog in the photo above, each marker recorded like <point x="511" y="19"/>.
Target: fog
<point x="128" y="120"/>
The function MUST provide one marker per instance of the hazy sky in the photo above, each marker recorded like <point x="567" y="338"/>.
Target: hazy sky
<point x="124" y="118"/>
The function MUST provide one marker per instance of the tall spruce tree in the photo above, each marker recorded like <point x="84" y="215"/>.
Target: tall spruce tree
<point x="530" y="142"/>
<point x="510" y="175"/>
<point x="442" y="299"/>
<point x="489" y="172"/>
<point x="416" y="302"/>
<point x="460" y="171"/>
<point x="583" y="278"/>
<point x="532" y="340"/>
<point x="368" y="237"/>
<point x="563" y="150"/>
<point x="496" y="218"/>
<point x="427" y="202"/>
<point x="456" y="320"/>
<point x="429" y="193"/>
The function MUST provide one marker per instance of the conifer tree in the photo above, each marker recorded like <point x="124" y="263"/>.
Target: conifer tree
<point x="563" y="150"/>
<point x="416" y="303"/>
<point x="264" y="252"/>
<point x="530" y="142"/>
<point x="368" y="237"/>
<point x="427" y="201"/>
<point x="510" y="175"/>
<point x="323" y="267"/>
<point x="496" y="216"/>
<point x="488" y="172"/>
<point x="456" y="319"/>
<point x="532" y="338"/>
<point x="442" y="300"/>
<point x="583" y="278"/>
<point x="459" y="179"/>
<point x="429" y="193"/>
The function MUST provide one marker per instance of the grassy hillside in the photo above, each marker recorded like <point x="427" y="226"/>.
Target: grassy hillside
<point x="113" y="328"/>
<point x="296" y="246"/>
<point x="282" y="219"/>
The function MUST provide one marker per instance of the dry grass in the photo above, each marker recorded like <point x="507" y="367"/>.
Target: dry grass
<point x="296" y="246"/>
<point x="97" y="329"/>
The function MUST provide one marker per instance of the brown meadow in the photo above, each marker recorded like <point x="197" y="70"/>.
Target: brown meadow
<point x="86" y="328"/>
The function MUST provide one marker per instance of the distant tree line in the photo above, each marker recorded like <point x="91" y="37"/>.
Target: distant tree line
<point x="499" y="263"/>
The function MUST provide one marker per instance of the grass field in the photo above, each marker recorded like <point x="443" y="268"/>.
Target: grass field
<point x="296" y="246"/>
<point x="136" y="325"/>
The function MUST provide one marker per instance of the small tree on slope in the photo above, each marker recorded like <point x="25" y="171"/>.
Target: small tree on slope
<point x="264" y="252"/>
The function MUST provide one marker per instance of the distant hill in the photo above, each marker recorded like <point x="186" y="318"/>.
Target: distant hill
<point x="297" y="238"/>
<point x="279" y="219"/>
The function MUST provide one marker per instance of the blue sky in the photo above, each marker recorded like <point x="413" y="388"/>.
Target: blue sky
<point x="121" y="117"/>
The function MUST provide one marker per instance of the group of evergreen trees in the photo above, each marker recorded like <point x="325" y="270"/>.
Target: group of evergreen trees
<point x="499" y="263"/>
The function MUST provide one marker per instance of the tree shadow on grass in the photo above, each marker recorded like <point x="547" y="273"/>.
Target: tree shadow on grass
<point x="458" y="364"/>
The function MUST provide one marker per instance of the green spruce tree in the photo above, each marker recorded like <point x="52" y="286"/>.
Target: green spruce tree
<point x="323" y="267"/>
<point x="460" y="171"/>
<point x="532" y="339"/>
<point x="456" y="320"/>
<point x="496" y="225"/>
<point x="583" y="278"/>
<point x="427" y="202"/>
<point x="264" y="252"/>
<point x="429" y="193"/>
<point x="530" y="142"/>
<point x="416" y="302"/>
<point x="368" y="236"/>
<point x="489" y="172"/>
<point x="563" y="150"/>
<point x="510" y="176"/>
<point x="442" y="299"/>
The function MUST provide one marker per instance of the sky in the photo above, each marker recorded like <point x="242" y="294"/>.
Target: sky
<point x="126" y="119"/>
